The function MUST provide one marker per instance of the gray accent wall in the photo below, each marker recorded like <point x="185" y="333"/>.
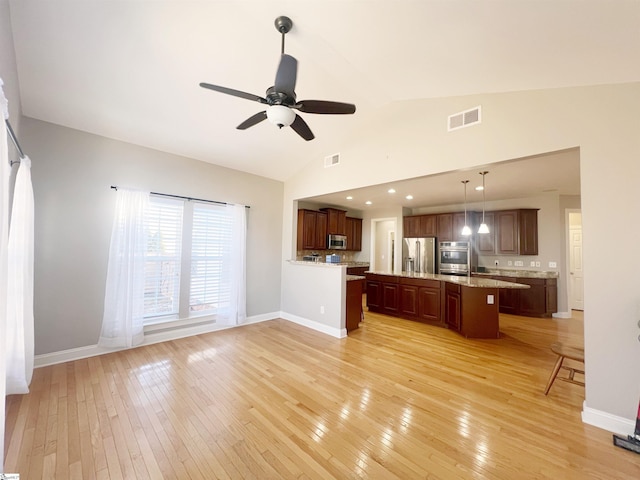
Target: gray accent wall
<point x="72" y="173"/>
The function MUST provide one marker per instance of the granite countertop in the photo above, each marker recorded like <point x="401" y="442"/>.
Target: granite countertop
<point x="475" y="282"/>
<point x="517" y="273"/>
<point x="322" y="262"/>
<point x="355" y="277"/>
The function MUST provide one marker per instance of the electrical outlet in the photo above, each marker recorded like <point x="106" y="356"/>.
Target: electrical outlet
<point x="537" y="264"/>
<point x="322" y="309"/>
<point x="532" y="264"/>
<point x="489" y="299"/>
<point x="510" y="263"/>
<point x="553" y="265"/>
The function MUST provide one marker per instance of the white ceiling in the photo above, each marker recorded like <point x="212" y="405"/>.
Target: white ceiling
<point x="130" y="70"/>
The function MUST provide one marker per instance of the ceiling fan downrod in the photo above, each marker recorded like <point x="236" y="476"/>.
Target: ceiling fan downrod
<point x="283" y="25"/>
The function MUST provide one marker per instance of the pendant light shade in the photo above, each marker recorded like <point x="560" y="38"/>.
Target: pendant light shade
<point x="483" y="226"/>
<point x="466" y="230"/>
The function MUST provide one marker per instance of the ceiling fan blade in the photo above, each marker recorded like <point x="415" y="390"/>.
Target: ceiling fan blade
<point x="321" y="106"/>
<point x="302" y="129"/>
<point x="286" y="75"/>
<point x="252" y="120"/>
<point x="235" y="93"/>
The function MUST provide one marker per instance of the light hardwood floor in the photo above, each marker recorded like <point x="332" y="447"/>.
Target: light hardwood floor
<point x="396" y="399"/>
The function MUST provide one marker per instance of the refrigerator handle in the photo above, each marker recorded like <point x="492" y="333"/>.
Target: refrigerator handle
<point x="418" y="266"/>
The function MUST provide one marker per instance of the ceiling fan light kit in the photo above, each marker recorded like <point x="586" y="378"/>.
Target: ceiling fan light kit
<point x="281" y="97"/>
<point x="280" y="115"/>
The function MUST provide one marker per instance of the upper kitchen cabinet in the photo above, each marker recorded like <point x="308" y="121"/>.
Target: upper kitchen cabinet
<point x="312" y="230"/>
<point x="487" y="241"/>
<point x="458" y="225"/>
<point x="445" y="227"/>
<point x="420" y="226"/>
<point x="354" y="233"/>
<point x="516" y="232"/>
<point x="511" y="232"/>
<point x="336" y="221"/>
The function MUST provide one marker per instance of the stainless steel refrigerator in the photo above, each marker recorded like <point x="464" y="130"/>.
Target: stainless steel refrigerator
<point x="419" y="255"/>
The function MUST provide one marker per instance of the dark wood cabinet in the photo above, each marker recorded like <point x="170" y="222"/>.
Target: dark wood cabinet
<point x="411" y="226"/>
<point x="354" y="304"/>
<point x="539" y="300"/>
<point x="458" y="225"/>
<point x="354" y="233"/>
<point x="357" y="270"/>
<point x="390" y="298"/>
<point x="336" y="221"/>
<point x="486" y="241"/>
<point x="509" y="297"/>
<point x="506" y="225"/>
<point x="445" y="227"/>
<point x="453" y="300"/>
<point x="409" y="300"/>
<point x="374" y="294"/>
<point x="511" y="232"/>
<point x="428" y="226"/>
<point x="528" y="231"/>
<point x="312" y="230"/>
<point x="429" y="304"/>
<point x="420" y="226"/>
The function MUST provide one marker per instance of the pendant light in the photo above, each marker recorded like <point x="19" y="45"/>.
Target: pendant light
<point x="466" y="230"/>
<point x="483" y="226"/>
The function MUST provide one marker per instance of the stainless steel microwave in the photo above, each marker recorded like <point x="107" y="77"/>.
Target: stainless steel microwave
<point x="337" y="242"/>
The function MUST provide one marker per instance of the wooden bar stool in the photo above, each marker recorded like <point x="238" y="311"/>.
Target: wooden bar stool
<point x="563" y="352"/>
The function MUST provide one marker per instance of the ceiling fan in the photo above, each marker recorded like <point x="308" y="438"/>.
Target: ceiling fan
<point x="281" y="98"/>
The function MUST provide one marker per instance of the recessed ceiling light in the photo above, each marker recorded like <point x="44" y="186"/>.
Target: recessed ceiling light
<point x="368" y="202"/>
<point x="349" y="197"/>
<point x="391" y="190"/>
<point x="409" y="197"/>
<point x="479" y="188"/>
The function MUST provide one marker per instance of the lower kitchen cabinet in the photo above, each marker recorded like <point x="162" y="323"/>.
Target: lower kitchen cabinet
<point x="539" y="300"/>
<point x="471" y="311"/>
<point x="354" y="304"/>
<point x="453" y="300"/>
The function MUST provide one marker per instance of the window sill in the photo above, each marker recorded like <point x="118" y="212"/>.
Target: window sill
<point x="169" y="323"/>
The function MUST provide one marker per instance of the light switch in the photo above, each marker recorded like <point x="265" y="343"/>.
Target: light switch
<point x="489" y="299"/>
<point x="553" y="265"/>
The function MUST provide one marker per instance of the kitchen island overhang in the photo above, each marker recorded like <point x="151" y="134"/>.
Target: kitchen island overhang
<point x="468" y="305"/>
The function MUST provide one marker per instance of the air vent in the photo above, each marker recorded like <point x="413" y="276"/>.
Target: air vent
<point x="331" y="160"/>
<point x="465" y="119"/>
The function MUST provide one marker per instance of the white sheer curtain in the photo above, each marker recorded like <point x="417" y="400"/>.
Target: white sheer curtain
<point x="19" y="331"/>
<point x="236" y="312"/>
<point x="4" y="255"/>
<point x="122" y="323"/>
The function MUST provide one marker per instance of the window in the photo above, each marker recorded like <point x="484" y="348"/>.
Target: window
<point x="187" y="260"/>
<point x="210" y="240"/>
<point x="163" y="223"/>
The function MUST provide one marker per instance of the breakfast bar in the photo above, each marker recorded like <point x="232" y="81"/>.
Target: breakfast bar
<point x="468" y="305"/>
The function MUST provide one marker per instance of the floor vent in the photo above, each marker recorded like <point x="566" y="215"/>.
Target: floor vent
<point x="331" y="160"/>
<point x="467" y="118"/>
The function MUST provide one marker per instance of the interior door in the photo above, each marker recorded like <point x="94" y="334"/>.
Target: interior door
<point x="576" y="274"/>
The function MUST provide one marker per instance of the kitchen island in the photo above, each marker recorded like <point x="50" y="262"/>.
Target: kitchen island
<point x="468" y="305"/>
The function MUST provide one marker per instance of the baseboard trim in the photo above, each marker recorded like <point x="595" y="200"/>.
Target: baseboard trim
<point x="318" y="327"/>
<point x="150" y="338"/>
<point x="607" y="421"/>
<point x="561" y="315"/>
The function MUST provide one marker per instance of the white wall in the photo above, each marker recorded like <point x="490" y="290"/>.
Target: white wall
<point x="602" y="121"/>
<point x="72" y="174"/>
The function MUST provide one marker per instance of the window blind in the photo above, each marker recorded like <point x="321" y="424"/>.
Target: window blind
<point x="210" y="252"/>
<point x="164" y="247"/>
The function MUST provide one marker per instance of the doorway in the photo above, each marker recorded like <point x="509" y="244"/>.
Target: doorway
<point x="383" y="244"/>
<point x="576" y="271"/>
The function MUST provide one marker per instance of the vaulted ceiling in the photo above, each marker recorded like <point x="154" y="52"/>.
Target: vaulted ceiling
<point x="130" y="70"/>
